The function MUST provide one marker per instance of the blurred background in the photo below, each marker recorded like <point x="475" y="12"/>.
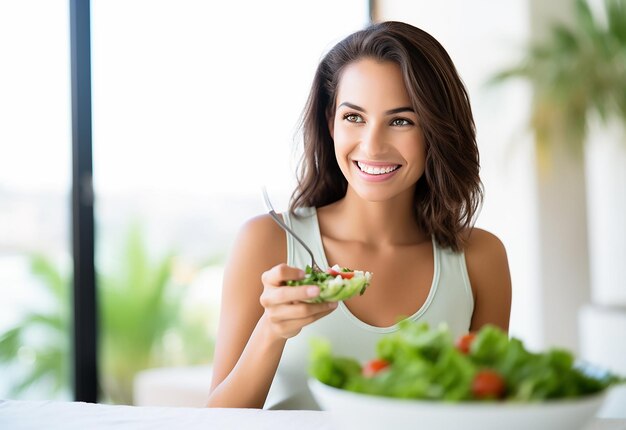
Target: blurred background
<point x="195" y="106"/>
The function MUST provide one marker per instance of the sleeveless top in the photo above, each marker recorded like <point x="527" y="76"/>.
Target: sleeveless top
<point x="449" y="301"/>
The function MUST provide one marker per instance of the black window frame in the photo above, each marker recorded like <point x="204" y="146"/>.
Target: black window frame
<point x="85" y="335"/>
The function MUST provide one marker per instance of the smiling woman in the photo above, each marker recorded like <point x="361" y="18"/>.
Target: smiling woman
<point x="389" y="184"/>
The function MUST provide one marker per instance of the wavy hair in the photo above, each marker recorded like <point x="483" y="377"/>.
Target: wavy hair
<point x="449" y="193"/>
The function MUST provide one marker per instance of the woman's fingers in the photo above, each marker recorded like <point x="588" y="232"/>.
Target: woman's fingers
<point x="299" y="311"/>
<point x="285" y="308"/>
<point x="273" y="296"/>
<point x="275" y="293"/>
<point x="291" y="327"/>
<point x="281" y="273"/>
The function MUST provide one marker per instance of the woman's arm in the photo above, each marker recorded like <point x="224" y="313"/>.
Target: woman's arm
<point x="488" y="270"/>
<point x="257" y="316"/>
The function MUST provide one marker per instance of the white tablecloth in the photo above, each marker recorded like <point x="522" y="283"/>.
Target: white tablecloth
<point x="18" y="415"/>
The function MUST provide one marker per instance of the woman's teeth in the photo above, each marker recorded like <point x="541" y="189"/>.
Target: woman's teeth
<point x="376" y="170"/>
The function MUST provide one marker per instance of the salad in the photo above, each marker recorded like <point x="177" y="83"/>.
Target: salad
<point x="418" y="362"/>
<point x="336" y="283"/>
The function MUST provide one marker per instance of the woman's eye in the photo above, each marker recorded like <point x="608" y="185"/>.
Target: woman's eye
<point x="401" y="122"/>
<point x="352" y="117"/>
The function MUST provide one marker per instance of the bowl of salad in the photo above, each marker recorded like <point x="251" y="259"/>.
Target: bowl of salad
<point x="423" y="378"/>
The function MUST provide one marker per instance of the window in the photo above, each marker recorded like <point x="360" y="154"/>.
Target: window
<point x="35" y="174"/>
<point x="195" y="105"/>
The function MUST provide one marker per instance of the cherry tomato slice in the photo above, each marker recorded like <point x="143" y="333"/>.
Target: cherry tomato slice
<point x="344" y="275"/>
<point x="464" y="343"/>
<point x="374" y="366"/>
<point x="488" y="384"/>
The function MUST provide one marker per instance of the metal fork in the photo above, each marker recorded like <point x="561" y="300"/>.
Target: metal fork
<point x="280" y="222"/>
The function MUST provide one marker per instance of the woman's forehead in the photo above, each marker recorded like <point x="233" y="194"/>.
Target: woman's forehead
<point x="372" y="84"/>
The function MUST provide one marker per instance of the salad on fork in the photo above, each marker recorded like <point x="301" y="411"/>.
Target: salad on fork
<point x="335" y="284"/>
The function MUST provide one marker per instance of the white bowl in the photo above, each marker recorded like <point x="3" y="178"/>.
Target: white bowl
<point x="366" y="412"/>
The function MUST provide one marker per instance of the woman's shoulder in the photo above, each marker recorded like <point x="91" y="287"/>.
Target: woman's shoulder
<point x="261" y="235"/>
<point x="481" y="242"/>
<point x="481" y="250"/>
<point x="262" y="224"/>
<point x="485" y="256"/>
<point x="488" y="270"/>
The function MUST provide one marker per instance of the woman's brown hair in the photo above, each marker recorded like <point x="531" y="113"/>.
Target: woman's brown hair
<point x="449" y="193"/>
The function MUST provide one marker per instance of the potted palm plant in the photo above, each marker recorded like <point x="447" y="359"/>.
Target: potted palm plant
<point x="578" y="74"/>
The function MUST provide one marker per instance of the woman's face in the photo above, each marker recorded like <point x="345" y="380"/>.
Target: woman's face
<point x="378" y="143"/>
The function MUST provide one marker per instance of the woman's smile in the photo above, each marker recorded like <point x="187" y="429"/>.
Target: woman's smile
<point x="375" y="171"/>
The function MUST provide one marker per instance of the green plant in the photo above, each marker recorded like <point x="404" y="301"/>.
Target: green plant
<point x="577" y="71"/>
<point x="42" y="337"/>
<point x="140" y="305"/>
<point x="140" y="308"/>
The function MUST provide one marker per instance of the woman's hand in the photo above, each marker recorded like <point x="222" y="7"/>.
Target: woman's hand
<point x="285" y="311"/>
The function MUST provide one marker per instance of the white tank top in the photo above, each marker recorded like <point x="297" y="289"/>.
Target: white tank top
<point x="449" y="301"/>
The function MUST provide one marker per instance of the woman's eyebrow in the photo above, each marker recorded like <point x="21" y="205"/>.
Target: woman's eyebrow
<point x="400" y="109"/>
<point x="389" y="112"/>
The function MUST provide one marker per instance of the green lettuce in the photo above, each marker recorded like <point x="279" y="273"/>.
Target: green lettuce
<point x="332" y="290"/>
<point x="426" y="364"/>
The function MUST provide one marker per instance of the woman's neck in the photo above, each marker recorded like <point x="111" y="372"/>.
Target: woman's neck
<point x="388" y="223"/>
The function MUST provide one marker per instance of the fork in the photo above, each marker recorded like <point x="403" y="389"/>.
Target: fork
<point x="279" y="221"/>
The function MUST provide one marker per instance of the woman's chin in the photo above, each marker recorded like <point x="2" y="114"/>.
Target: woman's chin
<point x="378" y="193"/>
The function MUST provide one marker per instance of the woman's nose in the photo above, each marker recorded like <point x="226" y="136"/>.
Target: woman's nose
<point x="373" y="140"/>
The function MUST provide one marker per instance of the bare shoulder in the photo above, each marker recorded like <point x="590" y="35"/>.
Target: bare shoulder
<point x="261" y="227"/>
<point x="259" y="246"/>
<point x="488" y="270"/>
<point x="481" y="244"/>
<point x="259" y="243"/>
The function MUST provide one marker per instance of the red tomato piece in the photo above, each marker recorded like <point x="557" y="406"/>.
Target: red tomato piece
<point x="488" y="384"/>
<point x="374" y="366"/>
<point x="344" y="275"/>
<point x="464" y="342"/>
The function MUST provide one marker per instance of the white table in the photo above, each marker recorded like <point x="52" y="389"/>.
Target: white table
<point x="19" y="415"/>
